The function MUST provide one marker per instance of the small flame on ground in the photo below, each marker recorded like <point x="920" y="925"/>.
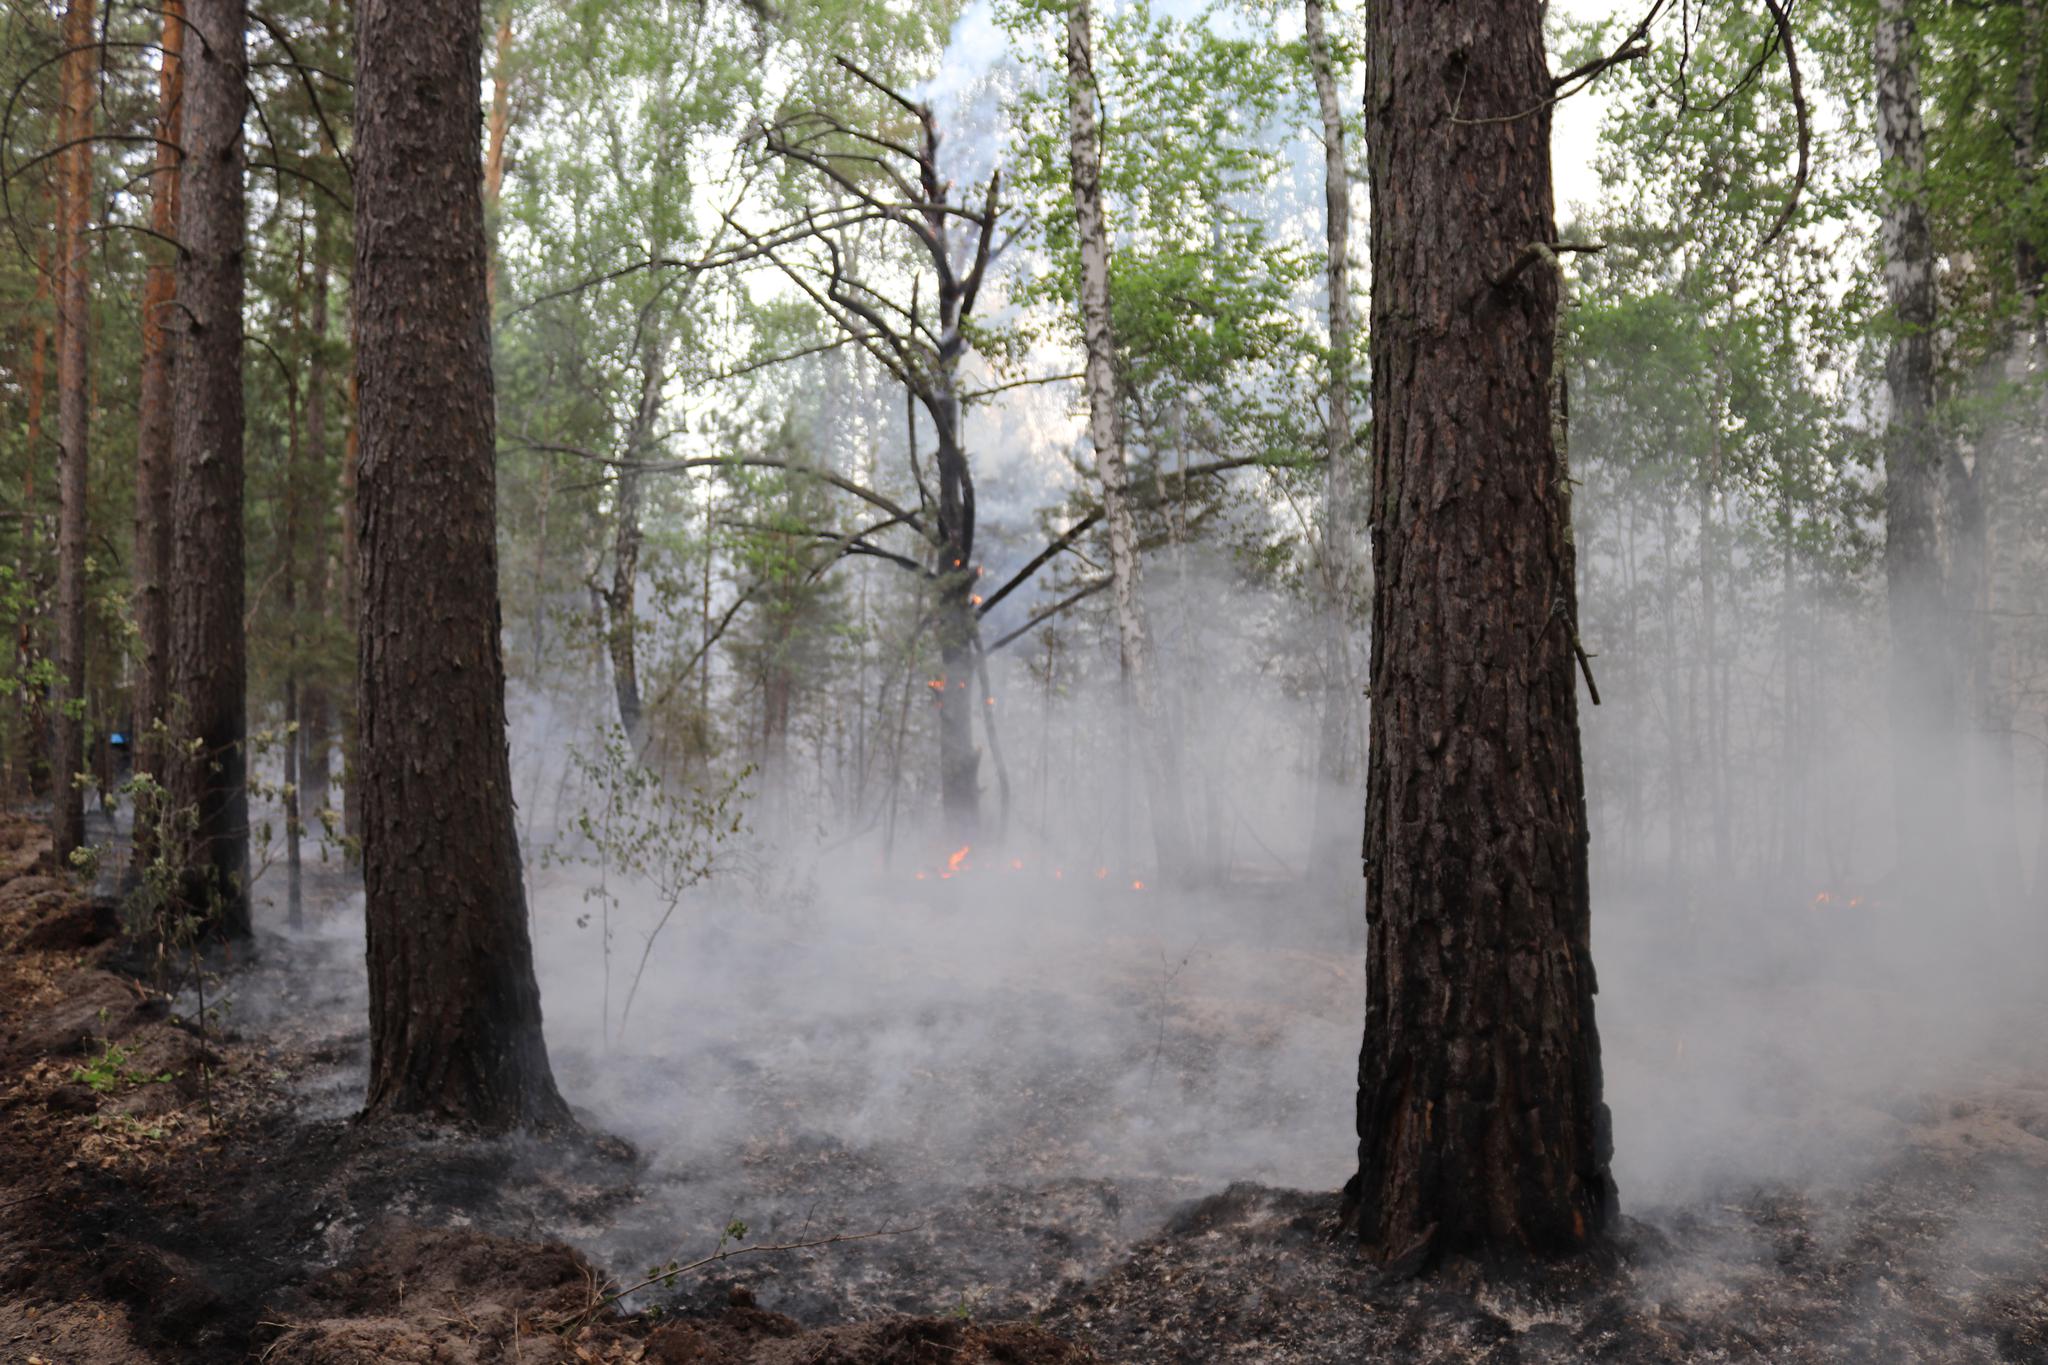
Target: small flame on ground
<point x="1137" y="886"/>
<point x="959" y="857"/>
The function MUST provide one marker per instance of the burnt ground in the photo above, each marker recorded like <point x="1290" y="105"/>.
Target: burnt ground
<point x="179" y="1193"/>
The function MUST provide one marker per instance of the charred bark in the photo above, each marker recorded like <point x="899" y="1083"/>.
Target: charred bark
<point x="1480" y="1118"/>
<point x="67" y="760"/>
<point x="455" y="1020"/>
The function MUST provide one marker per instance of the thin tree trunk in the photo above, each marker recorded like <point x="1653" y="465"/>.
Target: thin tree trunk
<point x="153" y="469"/>
<point x="1480" y="1118"/>
<point x="352" y="594"/>
<point x="208" y="649"/>
<point x="1926" y="649"/>
<point x="316" y="707"/>
<point x="67" y="760"/>
<point x="293" y="516"/>
<point x="622" y="603"/>
<point x="1337" y="546"/>
<point x="455" y="1021"/>
<point x="499" y="125"/>
<point x="1105" y="429"/>
<point x="32" y="756"/>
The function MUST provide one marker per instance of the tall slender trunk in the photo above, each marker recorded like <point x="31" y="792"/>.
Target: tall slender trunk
<point x="499" y="125"/>
<point x="622" y="603"/>
<point x="1480" y="1118"/>
<point x="154" y="432"/>
<point x="30" y="754"/>
<point x="316" y="708"/>
<point x="2010" y="467"/>
<point x="208" y="649"/>
<point x="294" y="474"/>
<point x="1156" y="746"/>
<point x="1337" y="545"/>
<point x="352" y="591"/>
<point x="1927" y="648"/>
<point x="67" y="760"/>
<point x="455" y="1021"/>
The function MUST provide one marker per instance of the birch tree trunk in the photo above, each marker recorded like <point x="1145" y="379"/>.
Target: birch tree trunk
<point x="1927" y="649"/>
<point x="1337" y="550"/>
<point x="1481" y="1122"/>
<point x="1105" y="430"/>
<point x="622" y="605"/>
<point x="67" y="760"/>
<point x="455" y="1022"/>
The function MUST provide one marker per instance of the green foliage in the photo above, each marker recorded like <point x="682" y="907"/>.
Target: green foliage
<point x="110" y="1072"/>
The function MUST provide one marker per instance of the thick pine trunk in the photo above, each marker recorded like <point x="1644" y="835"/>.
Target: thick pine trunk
<point x="1480" y="1118"/>
<point x="67" y="759"/>
<point x="208" y="649"/>
<point x="1337" y="555"/>
<point x="455" y="1021"/>
<point x="154" y="417"/>
<point x="1929" y="651"/>
<point x="1105" y="430"/>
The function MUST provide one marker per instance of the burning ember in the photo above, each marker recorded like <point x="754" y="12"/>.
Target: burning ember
<point x="958" y="859"/>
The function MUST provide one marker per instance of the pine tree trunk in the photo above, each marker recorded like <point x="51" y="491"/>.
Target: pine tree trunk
<point x="1480" y="1118"/>
<point x="1105" y="430"/>
<point x="208" y="651"/>
<point x="154" y="419"/>
<point x="1337" y="549"/>
<point x="352" y="594"/>
<point x="455" y="1020"/>
<point x="67" y="760"/>
<point x="494" y="146"/>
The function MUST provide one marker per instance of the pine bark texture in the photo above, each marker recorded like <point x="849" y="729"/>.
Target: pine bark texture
<point x="209" y="668"/>
<point x="154" y="417"/>
<point x="455" y="1020"/>
<point x="1480" y="1118"/>
<point x="67" y="760"/>
<point x="1105" y="431"/>
<point x="1338" y="548"/>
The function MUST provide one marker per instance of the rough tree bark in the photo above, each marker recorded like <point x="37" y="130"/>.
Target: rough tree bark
<point x="67" y="759"/>
<point x="1337" y="556"/>
<point x="208" y="650"/>
<point x="494" y="146"/>
<point x="455" y="1021"/>
<point x="1105" y="431"/>
<point x="1928" y="643"/>
<point x="154" y="417"/>
<point x="1480" y="1119"/>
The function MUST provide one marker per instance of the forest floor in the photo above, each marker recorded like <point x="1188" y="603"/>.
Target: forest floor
<point x="178" y="1193"/>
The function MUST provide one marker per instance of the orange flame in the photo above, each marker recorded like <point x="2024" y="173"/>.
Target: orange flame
<point x="937" y="684"/>
<point x="953" y="863"/>
<point x="974" y="600"/>
<point x="1137" y="886"/>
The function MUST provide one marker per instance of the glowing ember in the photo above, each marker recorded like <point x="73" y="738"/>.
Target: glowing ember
<point x="954" y="863"/>
<point x="937" y="684"/>
<point x="1137" y="886"/>
<point x="974" y="600"/>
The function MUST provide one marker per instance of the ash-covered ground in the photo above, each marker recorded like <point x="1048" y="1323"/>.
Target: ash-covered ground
<point x="1124" y="1113"/>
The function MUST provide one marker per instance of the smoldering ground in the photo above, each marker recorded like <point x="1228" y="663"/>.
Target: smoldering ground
<point x="1031" y="1062"/>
